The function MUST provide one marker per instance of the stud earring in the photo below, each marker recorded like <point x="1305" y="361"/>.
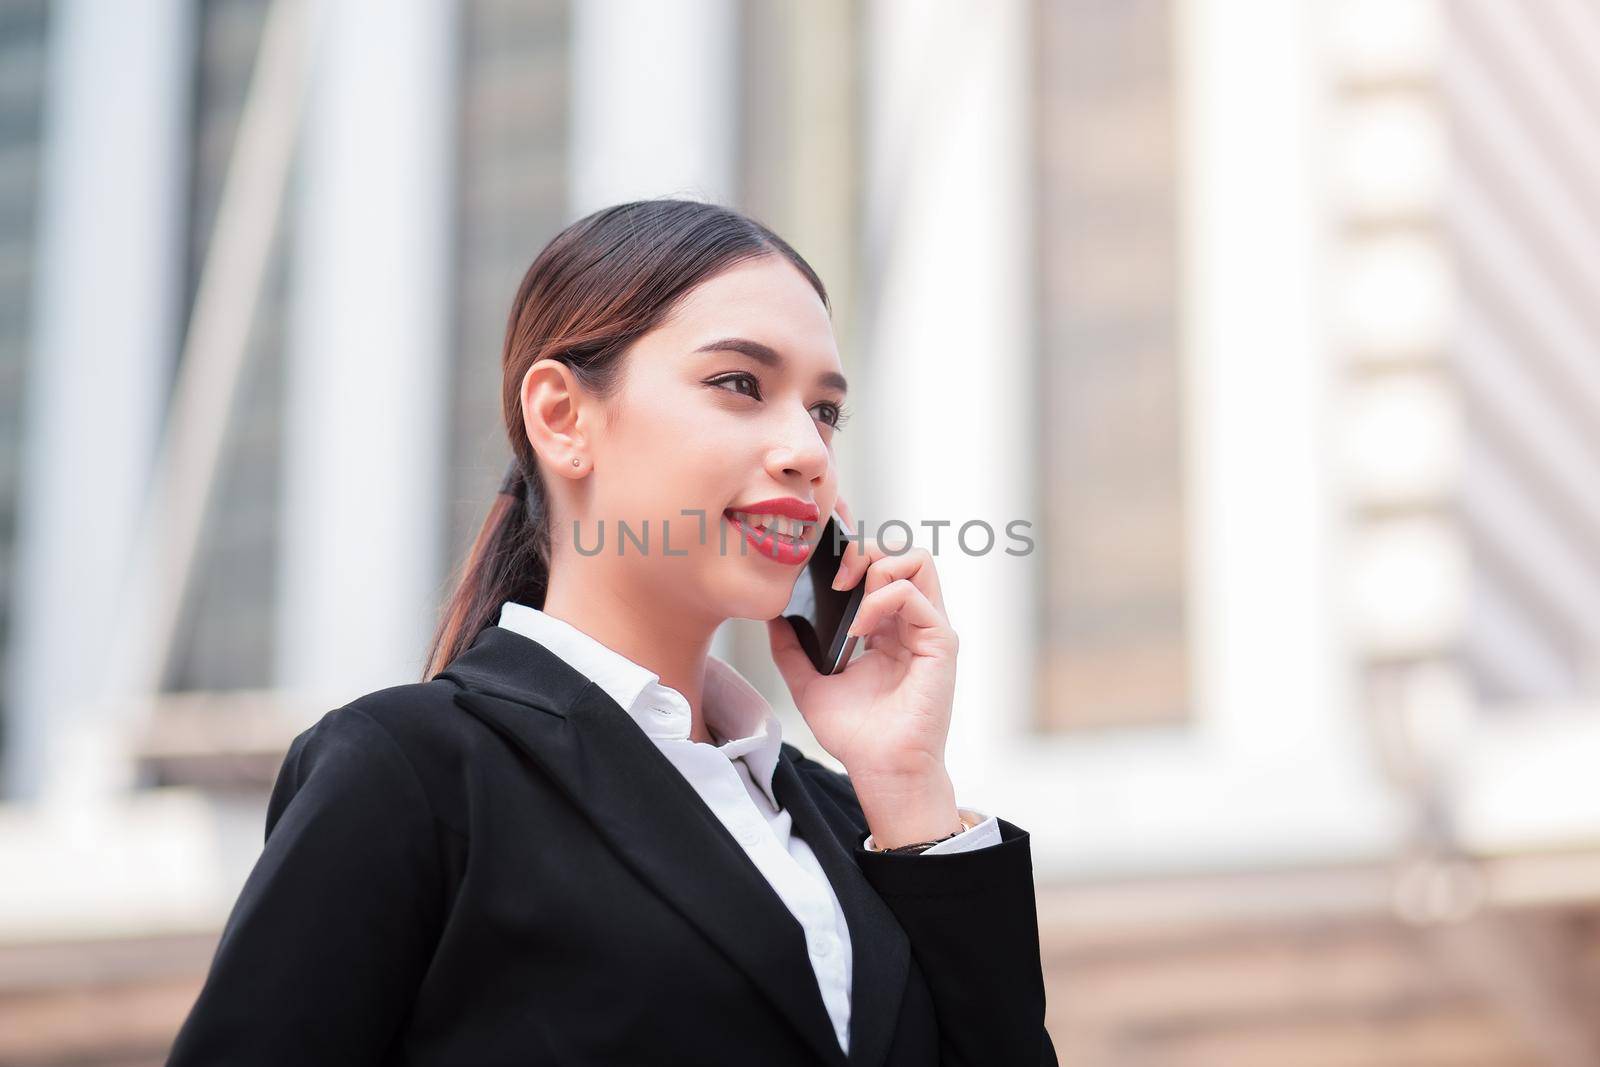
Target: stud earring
<point x="576" y="461"/>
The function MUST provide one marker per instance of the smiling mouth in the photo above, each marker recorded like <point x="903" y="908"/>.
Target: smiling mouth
<point x="780" y="529"/>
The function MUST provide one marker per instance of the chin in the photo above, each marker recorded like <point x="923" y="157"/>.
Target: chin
<point x="757" y="600"/>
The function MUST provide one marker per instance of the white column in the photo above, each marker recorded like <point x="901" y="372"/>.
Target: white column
<point x="107" y="301"/>
<point x="948" y="337"/>
<point x="368" y="394"/>
<point x="655" y="91"/>
<point x="654" y="102"/>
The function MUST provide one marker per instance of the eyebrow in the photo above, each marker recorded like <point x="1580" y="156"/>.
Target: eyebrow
<point x="768" y="356"/>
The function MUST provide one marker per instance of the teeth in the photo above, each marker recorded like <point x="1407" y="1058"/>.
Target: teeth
<point x="777" y="524"/>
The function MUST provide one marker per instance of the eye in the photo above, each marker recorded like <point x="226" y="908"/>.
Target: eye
<point x="748" y="379"/>
<point x="834" y="415"/>
<point x="840" y="415"/>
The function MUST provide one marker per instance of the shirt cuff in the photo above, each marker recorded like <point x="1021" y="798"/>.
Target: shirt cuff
<point x="981" y="831"/>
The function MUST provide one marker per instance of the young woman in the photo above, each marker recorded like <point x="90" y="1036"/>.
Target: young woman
<point x="581" y="838"/>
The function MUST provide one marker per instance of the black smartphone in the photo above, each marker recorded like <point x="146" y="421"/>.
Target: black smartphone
<point x="819" y="613"/>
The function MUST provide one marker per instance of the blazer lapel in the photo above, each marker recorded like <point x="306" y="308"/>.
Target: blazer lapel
<point x="645" y="810"/>
<point x="879" y="949"/>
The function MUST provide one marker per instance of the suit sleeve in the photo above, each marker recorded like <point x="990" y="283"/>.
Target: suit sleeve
<point x="982" y="831"/>
<point x="973" y="924"/>
<point x="330" y="936"/>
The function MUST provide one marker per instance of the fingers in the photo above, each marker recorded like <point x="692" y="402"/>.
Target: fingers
<point x="852" y="561"/>
<point x="915" y="566"/>
<point x="900" y="597"/>
<point x="843" y="509"/>
<point x="881" y="568"/>
<point x="852" y="564"/>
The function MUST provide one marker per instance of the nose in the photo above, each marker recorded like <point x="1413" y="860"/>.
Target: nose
<point x="802" y="453"/>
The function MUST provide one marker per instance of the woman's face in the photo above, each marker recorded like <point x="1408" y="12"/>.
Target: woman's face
<point x="700" y="428"/>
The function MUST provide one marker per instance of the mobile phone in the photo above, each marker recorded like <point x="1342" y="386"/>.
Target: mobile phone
<point x="819" y="613"/>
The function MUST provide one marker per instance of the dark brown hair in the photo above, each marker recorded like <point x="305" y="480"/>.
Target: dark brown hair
<point x="598" y="286"/>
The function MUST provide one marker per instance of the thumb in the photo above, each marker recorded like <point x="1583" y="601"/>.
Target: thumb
<point x="791" y="658"/>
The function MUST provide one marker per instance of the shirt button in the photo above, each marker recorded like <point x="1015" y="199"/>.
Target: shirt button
<point x="821" y="946"/>
<point x="749" y="833"/>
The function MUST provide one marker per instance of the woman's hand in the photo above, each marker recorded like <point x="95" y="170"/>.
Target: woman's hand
<point x="886" y="716"/>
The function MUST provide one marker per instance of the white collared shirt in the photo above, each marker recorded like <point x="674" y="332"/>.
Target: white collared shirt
<point x="734" y="778"/>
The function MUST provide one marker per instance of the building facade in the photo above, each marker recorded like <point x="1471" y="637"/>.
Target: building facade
<point x="1273" y="323"/>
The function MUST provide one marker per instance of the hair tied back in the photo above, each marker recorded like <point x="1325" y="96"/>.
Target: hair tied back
<point x="514" y="484"/>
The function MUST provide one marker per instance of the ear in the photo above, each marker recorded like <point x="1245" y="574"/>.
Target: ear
<point x="553" y="408"/>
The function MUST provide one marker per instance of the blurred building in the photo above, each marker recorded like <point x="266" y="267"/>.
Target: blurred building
<point x="1276" y="321"/>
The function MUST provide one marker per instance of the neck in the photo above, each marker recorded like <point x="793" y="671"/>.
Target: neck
<point x="656" y="636"/>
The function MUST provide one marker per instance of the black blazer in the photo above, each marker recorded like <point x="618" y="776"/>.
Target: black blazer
<point x="498" y="867"/>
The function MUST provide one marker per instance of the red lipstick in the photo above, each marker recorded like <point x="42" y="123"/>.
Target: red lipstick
<point x="788" y="506"/>
<point x="775" y="546"/>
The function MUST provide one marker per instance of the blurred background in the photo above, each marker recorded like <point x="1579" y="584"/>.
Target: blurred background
<point x="1277" y="320"/>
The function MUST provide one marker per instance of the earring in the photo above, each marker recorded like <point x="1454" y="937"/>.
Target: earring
<point x="576" y="461"/>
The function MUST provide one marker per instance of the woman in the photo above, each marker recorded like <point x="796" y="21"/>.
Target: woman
<point x="581" y="839"/>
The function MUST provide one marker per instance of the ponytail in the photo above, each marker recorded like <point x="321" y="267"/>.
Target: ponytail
<point x="508" y="560"/>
